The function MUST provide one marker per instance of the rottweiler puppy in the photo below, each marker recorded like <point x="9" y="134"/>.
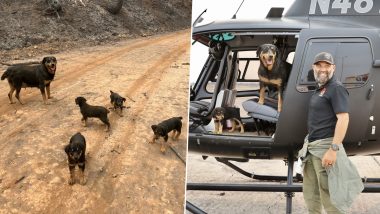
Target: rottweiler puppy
<point x="162" y="130"/>
<point x="75" y="151"/>
<point x="273" y="71"/>
<point x="221" y="114"/>
<point x="117" y="101"/>
<point x="92" y="111"/>
<point x="31" y="75"/>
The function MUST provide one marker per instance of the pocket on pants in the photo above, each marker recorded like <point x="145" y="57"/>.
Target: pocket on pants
<point x="323" y="180"/>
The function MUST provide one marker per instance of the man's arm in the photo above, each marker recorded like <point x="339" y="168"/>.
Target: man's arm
<point x="341" y="127"/>
<point x="339" y="133"/>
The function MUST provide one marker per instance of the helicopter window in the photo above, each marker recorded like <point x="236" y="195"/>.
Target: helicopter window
<point x="290" y="57"/>
<point x="352" y="59"/>
<point x="313" y="48"/>
<point x="356" y="64"/>
<point x="222" y="37"/>
<point x="211" y="84"/>
<point x="248" y="64"/>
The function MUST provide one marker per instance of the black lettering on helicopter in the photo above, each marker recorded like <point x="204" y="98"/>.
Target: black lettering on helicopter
<point x="342" y="7"/>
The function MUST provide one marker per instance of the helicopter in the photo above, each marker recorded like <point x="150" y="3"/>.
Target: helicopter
<point x="349" y="30"/>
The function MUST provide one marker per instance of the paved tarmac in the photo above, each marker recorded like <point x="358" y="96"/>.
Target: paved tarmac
<point x="209" y="170"/>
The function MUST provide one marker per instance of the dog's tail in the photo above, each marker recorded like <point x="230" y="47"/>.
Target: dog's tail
<point x="5" y="74"/>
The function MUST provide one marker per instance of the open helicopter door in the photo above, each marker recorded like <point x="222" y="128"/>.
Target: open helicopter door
<point x="355" y="68"/>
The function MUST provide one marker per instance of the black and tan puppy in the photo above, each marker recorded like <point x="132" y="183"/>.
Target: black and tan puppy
<point x="117" y="101"/>
<point x="222" y="114"/>
<point x="31" y="75"/>
<point x="75" y="151"/>
<point x="92" y="111"/>
<point x="272" y="71"/>
<point x="162" y="130"/>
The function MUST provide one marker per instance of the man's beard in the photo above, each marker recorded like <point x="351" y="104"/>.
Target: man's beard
<point x="323" y="77"/>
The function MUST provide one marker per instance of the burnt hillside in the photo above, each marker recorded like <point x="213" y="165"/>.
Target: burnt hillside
<point x="27" y="26"/>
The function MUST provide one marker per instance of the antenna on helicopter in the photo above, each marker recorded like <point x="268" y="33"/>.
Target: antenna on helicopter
<point x="199" y="19"/>
<point x="234" y="16"/>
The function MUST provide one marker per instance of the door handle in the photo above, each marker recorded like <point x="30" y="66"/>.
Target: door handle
<point x="370" y="92"/>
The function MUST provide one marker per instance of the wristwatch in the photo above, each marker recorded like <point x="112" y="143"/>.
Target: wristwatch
<point x="334" y="147"/>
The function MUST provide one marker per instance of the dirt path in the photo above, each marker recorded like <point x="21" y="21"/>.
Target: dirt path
<point x="124" y="173"/>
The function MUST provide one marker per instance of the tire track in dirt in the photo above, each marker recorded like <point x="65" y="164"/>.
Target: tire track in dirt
<point x="142" y="83"/>
<point x="145" y="81"/>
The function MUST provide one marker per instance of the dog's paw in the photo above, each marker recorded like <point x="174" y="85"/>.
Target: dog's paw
<point x="71" y="181"/>
<point x="163" y="150"/>
<point x="261" y="102"/>
<point x="83" y="181"/>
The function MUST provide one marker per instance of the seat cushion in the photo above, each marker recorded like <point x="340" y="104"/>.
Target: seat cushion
<point x="259" y="111"/>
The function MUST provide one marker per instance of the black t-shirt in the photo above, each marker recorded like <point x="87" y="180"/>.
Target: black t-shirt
<point x="327" y="101"/>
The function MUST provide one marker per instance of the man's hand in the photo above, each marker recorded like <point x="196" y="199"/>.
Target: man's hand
<point x="329" y="158"/>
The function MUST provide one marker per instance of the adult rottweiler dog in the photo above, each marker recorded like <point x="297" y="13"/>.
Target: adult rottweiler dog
<point x="221" y="114"/>
<point x="92" y="111"/>
<point x="31" y="75"/>
<point x="162" y="130"/>
<point x="75" y="151"/>
<point x="273" y="71"/>
<point x="117" y="101"/>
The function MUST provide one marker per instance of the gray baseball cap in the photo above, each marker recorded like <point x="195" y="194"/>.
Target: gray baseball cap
<point x="325" y="57"/>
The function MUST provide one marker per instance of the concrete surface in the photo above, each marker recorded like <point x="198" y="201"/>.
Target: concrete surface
<point x="209" y="170"/>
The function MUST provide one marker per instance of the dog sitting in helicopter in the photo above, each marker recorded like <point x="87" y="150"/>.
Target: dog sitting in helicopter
<point x="262" y="112"/>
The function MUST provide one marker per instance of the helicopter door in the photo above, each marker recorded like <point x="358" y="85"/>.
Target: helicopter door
<point x="353" y="58"/>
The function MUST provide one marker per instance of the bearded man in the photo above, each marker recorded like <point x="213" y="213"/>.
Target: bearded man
<point x="330" y="179"/>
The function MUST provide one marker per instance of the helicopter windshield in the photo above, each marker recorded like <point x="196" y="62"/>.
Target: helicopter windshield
<point x="220" y="37"/>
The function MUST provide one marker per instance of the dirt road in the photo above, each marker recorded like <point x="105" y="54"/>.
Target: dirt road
<point x="124" y="173"/>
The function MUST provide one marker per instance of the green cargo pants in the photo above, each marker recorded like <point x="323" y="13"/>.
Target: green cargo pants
<point x="316" y="188"/>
